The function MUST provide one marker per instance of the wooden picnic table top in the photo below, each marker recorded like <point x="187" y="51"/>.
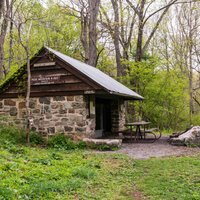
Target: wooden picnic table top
<point x="141" y="123"/>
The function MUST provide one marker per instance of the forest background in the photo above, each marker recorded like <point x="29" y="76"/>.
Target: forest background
<point x="152" y="46"/>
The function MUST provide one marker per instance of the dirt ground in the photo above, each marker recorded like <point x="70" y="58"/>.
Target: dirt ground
<point x="160" y="148"/>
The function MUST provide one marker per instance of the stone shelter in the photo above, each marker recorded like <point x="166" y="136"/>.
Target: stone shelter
<point x="67" y="96"/>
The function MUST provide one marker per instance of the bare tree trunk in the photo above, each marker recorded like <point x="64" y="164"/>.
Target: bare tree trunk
<point x="88" y="16"/>
<point x="2" y="37"/>
<point x="121" y="31"/>
<point x="28" y="96"/>
<point x="4" y="18"/>
<point x="1" y="58"/>
<point x="139" y="52"/>
<point x="84" y="35"/>
<point x="190" y="45"/>
<point x="28" y="84"/>
<point x="11" y="38"/>
<point x="25" y="45"/>
<point x="93" y="10"/>
<point x="141" y="12"/>
<point x="116" y="38"/>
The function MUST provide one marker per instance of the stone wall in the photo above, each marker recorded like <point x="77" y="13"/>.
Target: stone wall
<point x="61" y="114"/>
<point x="118" y="115"/>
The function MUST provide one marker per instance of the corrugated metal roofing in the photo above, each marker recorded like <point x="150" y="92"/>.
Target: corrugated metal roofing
<point x="110" y="84"/>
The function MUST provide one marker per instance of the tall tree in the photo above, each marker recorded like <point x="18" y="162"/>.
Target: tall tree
<point x="141" y="9"/>
<point x="120" y="27"/>
<point x="5" y="10"/>
<point x="87" y="12"/>
<point x="24" y="24"/>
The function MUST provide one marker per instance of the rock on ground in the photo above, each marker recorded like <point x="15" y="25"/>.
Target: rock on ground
<point x="190" y="137"/>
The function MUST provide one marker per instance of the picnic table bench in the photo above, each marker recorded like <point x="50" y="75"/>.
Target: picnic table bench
<point x="141" y="133"/>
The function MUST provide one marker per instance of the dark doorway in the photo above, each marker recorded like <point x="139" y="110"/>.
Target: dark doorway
<point x="103" y="115"/>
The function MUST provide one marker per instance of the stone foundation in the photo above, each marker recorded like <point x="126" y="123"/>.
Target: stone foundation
<point x="50" y="115"/>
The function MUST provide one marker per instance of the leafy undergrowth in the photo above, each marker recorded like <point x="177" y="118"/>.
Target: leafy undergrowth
<point x="66" y="170"/>
<point x="169" y="178"/>
<point x="33" y="173"/>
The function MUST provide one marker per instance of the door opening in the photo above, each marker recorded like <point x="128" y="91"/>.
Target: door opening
<point x="103" y="116"/>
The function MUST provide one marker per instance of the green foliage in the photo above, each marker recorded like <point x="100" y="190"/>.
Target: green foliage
<point x="56" y="156"/>
<point x="11" y="135"/>
<point x="84" y="172"/>
<point x="103" y="147"/>
<point x="48" y="174"/>
<point x="36" y="138"/>
<point x="16" y="150"/>
<point x="166" y="96"/>
<point x="196" y="119"/>
<point x="169" y="178"/>
<point x="36" y="173"/>
<point x="63" y="142"/>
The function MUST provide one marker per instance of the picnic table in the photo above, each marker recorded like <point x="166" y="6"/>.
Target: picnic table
<point x="138" y="133"/>
<point x="141" y="130"/>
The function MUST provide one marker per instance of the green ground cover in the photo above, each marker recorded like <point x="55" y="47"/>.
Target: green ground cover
<point x="34" y="173"/>
<point x="50" y="173"/>
<point x="169" y="178"/>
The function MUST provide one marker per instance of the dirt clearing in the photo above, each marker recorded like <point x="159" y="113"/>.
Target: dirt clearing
<point x="160" y="148"/>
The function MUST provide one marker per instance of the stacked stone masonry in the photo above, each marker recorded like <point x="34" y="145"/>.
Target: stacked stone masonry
<point x="118" y="115"/>
<point x="60" y="114"/>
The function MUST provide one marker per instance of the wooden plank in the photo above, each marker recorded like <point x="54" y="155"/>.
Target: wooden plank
<point x="55" y="93"/>
<point x="55" y="79"/>
<point x="43" y="94"/>
<point x="61" y="87"/>
<point x="61" y="71"/>
<point x="46" y="68"/>
<point x="53" y="88"/>
<point x="78" y="74"/>
<point x="44" y="64"/>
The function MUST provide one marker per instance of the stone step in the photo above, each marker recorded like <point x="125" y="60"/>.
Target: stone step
<point x="98" y="142"/>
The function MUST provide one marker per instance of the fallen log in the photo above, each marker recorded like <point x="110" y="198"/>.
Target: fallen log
<point x="188" y="138"/>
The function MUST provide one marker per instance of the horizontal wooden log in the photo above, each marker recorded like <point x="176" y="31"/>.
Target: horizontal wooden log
<point x="55" y="79"/>
<point x="50" y="72"/>
<point x="57" y="93"/>
<point x="44" y="59"/>
<point x="61" y="87"/>
<point x="45" y="68"/>
<point x="55" y="88"/>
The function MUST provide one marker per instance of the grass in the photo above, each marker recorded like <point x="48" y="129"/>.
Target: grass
<point x="33" y="173"/>
<point x="57" y="173"/>
<point x="169" y="178"/>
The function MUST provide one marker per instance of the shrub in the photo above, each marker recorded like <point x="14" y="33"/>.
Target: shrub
<point x="81" y="145"/>
<point x="61" y="142"/>
<point x="36" y="138"/>
<point x="11" y="135"/>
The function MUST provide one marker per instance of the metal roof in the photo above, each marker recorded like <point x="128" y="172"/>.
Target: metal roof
<point x="108" y="83"/>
